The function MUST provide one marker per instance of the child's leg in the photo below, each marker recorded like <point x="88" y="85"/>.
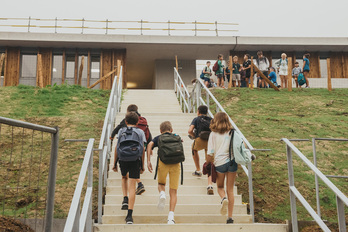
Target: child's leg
<point x="196" y="160"/>
<point x="239" y="82"/>
<point x="281" y="81"/>
<point x="234" y="83"/>
<point x="286" y="81"/>
<point x="173" y="199"/>
<point x="220" y="182"/>
<point x="306" y="75"/>
<point x="296" y="82"/>
<point x="210" y="179"/>
<point x="222" y="82"/>
<point x="125" y="185"/>
<point x="131" y="187"/>
<point x="231" y="177"/>
<point x="219" y="81"/>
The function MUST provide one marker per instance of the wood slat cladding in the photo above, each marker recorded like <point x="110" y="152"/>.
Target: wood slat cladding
<point x="339" y="65"/>
<point x="314" y="65"/>
<point x="12" y="67"/>
<point x="108" y="62"/>
<point x="240" y="55"/>
<point x="46" y="67"/>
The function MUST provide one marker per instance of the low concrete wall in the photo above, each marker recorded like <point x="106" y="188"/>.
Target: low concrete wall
<point x="58" y="224"/>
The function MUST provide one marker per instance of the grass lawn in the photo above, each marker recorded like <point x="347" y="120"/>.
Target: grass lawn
<point x="78" y="112"/>
<point x="265" y="116"/>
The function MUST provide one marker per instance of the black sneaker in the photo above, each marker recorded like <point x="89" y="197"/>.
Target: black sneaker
<point x="197" y="174"/>
<point x="140" y="189"/>
<point x="124" y="204"/>
<point x="129" y="220"/>
<point x="229" y="221"/>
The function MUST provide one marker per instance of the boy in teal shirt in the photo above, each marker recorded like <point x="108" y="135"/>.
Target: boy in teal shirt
<point x="220" y="72"/>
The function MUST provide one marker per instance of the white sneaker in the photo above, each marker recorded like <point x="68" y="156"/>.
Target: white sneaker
<point x="224" y="206"/>
<point x="171" y="222"/>
<point x="161" y="201"/>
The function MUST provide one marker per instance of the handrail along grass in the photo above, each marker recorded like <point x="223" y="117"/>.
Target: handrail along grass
<point x="341" y="199"/>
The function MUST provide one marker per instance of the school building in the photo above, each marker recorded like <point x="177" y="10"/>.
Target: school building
<point x="148" y="60"/>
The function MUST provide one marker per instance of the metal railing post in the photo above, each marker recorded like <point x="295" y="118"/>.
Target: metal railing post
<point x="216" y="28"/>
<point x="76" y="226"/>
<point x="195" y="28"/>
<point x="55" y="25"/>
<point x="52" y="181"/>
<point x="29" y="24"/>
<point x="292" y="195"/>
<point x="251" y="191"/>
<point x="169" y="27"/>
<point x="141" y="27"/>
<point x="340" y="215"/>
<point x="106" y="26"/>
<point x="89" y="222"/>
<point x="83" y="24"/>
<point x="207" y="101"/>
<point x="100" y="187"/>
<point x="316" y="177"/>
<point x="198" y="94"/>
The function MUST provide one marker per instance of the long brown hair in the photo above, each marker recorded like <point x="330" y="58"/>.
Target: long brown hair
<point x="220" y="123"/>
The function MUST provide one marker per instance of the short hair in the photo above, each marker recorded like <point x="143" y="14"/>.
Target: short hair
<point x="259" y="53"/>
<point x="235" y="57"/>
<point x="307" y="55"/>
<point x="271" y="68"/>
<point x="296" y="62"/>
<point x="248" y="55"/>
<point x="203" y="109"/>
<point x="166" y="126"/>
<point x="208" y="61"/>
<point x="132" y="118"/>
<point x="220" y="123"/>
<point x="220" y="55"/>
<point x="284" y="54"/>
<point x="132" y="108"/>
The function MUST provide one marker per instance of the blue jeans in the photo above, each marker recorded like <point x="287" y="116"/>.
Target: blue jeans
<point x="231" y="166"/>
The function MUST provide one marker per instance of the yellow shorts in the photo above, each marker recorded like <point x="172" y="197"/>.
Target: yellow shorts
<point x="200" y="144"/>
<point x="174" y="174"/>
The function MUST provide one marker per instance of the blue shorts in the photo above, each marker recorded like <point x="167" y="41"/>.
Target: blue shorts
<point x="227" y="167"/>
<point x="206" y="79"/>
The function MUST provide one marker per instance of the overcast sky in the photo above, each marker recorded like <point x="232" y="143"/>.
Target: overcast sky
<point x="255" y="17"/>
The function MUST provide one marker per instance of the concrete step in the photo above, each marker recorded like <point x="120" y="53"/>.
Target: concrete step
<point x="179" y="218"/>
<point x="182" y="199"/>
<point x="202" y="182"/>
<point x="179" y="209"/>
<point x="256" y="227"/>
<point x="188" y="190"/>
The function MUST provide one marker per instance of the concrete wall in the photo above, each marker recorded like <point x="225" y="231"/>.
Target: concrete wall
<point x="164" y="73"/>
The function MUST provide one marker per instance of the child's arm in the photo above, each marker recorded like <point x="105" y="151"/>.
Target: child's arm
<point x="292" y="74"/>
<point x="142" y="162"/>
<point x="190" y="131"/>
<point x="149" y="154"/>
<point x="304" y="63"/>
<point x="115" y="159"/>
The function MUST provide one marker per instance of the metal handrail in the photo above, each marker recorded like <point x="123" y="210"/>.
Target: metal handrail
<point x="181" y="91"/>
<point x="76" y="221"/>
<point x="341" y="199"/>
<point x="52" y="166"/>
<point x="33" y="23"/>
<point x="104" y="144"/>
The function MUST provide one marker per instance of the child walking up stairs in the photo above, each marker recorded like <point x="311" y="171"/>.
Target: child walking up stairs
<point x="195" y="210"/>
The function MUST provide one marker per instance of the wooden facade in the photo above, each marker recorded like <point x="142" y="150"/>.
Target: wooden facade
<point x="45" y="67"/>
<point x="108" y="62"/>
<point x="12" y="67"/>
<point x="339" y="65"/>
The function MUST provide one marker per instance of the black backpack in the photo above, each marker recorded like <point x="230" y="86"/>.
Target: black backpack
<point x="130" y="146"/>
<point x="170" y="151"/>
<point x="203" y="127"/>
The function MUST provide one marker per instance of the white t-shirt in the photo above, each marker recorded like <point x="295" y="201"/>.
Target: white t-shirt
<point x="218" y="145"/>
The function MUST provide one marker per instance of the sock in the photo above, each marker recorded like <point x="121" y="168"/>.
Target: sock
<point x="171" y="215"/>
<point x="130" y="213"/>
<point x="162" y="193"/>
<point x="125" y="198"/>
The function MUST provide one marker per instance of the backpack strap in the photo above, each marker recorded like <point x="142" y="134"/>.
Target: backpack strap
<point x="156" y="168"/>
<point x="182" y="174"/>
<point x="230" y="150"/>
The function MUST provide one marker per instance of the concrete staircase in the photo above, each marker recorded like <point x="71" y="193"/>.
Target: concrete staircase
<point x="195" y="211"/>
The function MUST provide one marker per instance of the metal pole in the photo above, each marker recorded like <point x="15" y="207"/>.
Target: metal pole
<point x="169" y="27"/>
<point x="76" y="226"/>
<point x="106" y="28"/>
<point x="55" y="25"/>
<point x="195" y="28"/>
<point x="29" y="24"/>
<point x="141" y="27"/>
<point x="83" y="24"/>
<point x="198" y="94"/>
<point x="207" y="101"/>
<point x="216" y="28"/>
<point x="89" y="223"/>
<point x="251" y="191"/>
<point x="52" y="181"/>
<point x="316" y="177"/>
<point x="340" y="215"/>
<point x="292" y="195"/>
<point x="100" y="187"/>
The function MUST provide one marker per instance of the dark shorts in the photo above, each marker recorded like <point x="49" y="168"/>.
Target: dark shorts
<point x="220" y="75"/>
<point x="131" y="167"/>
<point x="306" y="71"/>
<point x="231" y="166"/>
<point x="206" y="79"/>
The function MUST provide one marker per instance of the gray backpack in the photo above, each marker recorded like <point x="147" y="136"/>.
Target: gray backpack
<point x="130" y="145"/>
